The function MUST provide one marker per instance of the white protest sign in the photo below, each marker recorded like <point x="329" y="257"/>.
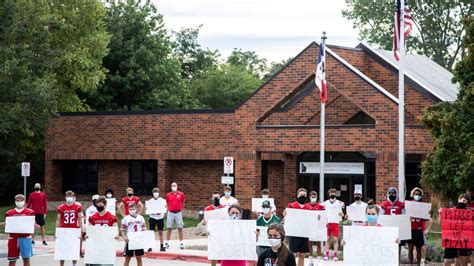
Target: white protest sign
<point x="25" y="169"/>
<point x="67" y="244"/>
<point x="333" y="215"/>
<point x="257" y="204"/>
<point x="418" y="209"/>
<point x="300" y="223"/>
<point x="100" y="245"/>
<point x="217" y="214"/>
<point x="263" y="237"/>
<point x="401" y="221"/>
<point x="141" y="240"/>
<point x="231" y="240"/>
<point x="155" y="206"/>
<point x="370" y="245"/>
<point x="228" y="165"/>
<point x="20" y="224"/>
<point x="356" y="213"/>
<point x="320" y="233"/>
<point x="110" y="207"/>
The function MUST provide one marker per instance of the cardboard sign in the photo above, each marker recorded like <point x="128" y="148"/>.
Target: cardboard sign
<point x="100" y="245"/>
<point x="333" y="215"/>
<point x="110" y="207"/>
<point x="300" y="223"/>
<point x="67" y="244"/>
<point x="257" y="204"/>
<point x="263" y="237"/>
<point x="20" y="224"/>
<point x="231" y="240"/>
<point x="320" y="233"/>
<point x="370" y="245"/>
<point x="217" y="214"/>
<point x="401" y="221"/>
<point x="457" y="229"/>
<point x="141" y="240"/>
<point x="418" y="209"/>
<point x="155" y="206"/>
<point x="356" y="213"/>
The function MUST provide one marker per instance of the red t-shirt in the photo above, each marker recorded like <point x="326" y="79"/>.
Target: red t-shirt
<point x="211" y="207"/>
<point x="37" y="202"/>
<point x="296" y="205"/>
<point x="317" y="207"/>
<point x="70" y="215"/>
<point x="127" y="201"/>
<point x="175" y="201"/>
<point x="417" y="223"/>
<point x="105" y="220"/>
<point x="392" y="209"/>
<point x="24" y="212"/>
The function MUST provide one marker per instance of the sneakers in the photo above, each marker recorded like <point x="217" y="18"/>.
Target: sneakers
<point x="163" y="249"/>
<point x="44" y="243"/>
<point x="335" y="259"/>
<point x="422" y="262"/>
<point x="310" y="263"/>
<point x="326" y="258"/>
<point x="166" y="245"/>
<point x="181" y="246"/>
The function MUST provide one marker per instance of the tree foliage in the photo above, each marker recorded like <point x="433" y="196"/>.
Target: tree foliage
<point x="437" y="26"/>
<point x="449" y="168"/>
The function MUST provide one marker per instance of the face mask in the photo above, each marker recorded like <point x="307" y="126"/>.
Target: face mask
<point x="234" y="217"/>
<point x="371" y="219"/>
<point x="215" y="202"/>
<point x="264" y="196"/>
<point x="37" y="189"/>
<point x="266" y="210"/>
<point x="130" y="194"/>
<point x="109" y="195"/>
<point x="19" y="204"/>
<point x="357" y="198"/>
<point x="100" y="208"/>
<point x="417" y="197"/>
<point x="227" y="193"/>
<point x="69" y="200"/>
<point x="133" y="212"/>
<point x="332" y="196"/>
<point x="174" y="189"/>
<point x="392" y="198"/>
<point x="462" y="205"/>
<point x="301" y="200"/>
<point x="313" y="200"/>
<point x="274" y="242"/>
<point x="156" y="194"/>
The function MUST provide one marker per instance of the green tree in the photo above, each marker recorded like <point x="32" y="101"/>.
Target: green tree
<point x="449" y="168"/>
<point x="143" y="73"/>
<point x="249" y="61"/>
<point x="437" y="26"/>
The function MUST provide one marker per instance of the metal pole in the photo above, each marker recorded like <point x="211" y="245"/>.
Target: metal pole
<point x="401" y="105"/>
<point x="24" y="186"/>
<point x="321" y="130"/>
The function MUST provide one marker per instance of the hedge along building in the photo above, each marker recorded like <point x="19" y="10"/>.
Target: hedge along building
<point x="273" y="135"/>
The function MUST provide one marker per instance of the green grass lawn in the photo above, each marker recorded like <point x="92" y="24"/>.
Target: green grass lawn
<point x="51" y="220"/>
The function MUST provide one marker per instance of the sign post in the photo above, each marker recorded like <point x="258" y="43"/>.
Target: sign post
<point x="228" y="169"/>
<point x="25" y="172"/>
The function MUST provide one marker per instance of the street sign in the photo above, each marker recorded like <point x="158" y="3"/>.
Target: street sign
<point x="25" y="169"/>
<point x="228" y="165"/>
<point x="227" y="180"/>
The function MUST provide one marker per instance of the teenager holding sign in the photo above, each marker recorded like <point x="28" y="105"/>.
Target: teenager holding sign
<point x="419" y="230"/>
<point x="315" y="206"/>
<point x="133" y="222"/>
<point x="278" y="254"/>
<point x="266" y="219"/>
<point x="156" y="220"/>
<point x="333" y="228"/>
<point x="234" y="214"/>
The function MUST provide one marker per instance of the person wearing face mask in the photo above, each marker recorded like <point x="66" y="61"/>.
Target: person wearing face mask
<point x="392" y="206"/>
<point x="278" y="254"/>
<point x="69" y="216"/>
<point x="133" y="222"/>
<point x="234" y="212"/>
<point x="91" y="210"/>
<point x="419" y="230"/>
<point x="228" y="200"/>
<point x="265" y="194"/>
<point x="38" y="203"/>
<point x="299" y="245"/>
<point x="359" y="203"/>
<point x="175" y="201"/>
<point x="109" y="193"/>
<point x="19" y="244"/>
<point x="128" y="200"/>
<point x="156" y="220"/>
<point x="266" y="219"/>
<point x="333" y="228"/>
<point x="315" y="206"/>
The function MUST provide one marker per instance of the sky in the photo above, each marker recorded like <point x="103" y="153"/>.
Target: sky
<point x="274" y="29"/>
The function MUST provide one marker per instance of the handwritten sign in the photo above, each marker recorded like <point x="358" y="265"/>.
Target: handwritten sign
<point x="370" y="245"/>
<point x="141" y="240"/>
<point x="100" y="245"/>
<point x="418" y="209"/>
<point x="217" y="214"/>
<point x="67" y="244"/>
<point x="20" y="224"/>
<point x="263" y="237"/>
<point x="320" y="233"/>
<point x="232" y="240"/>
<point x="457" y="229"/>
<point x="300" y="223"/>
<point x="257" y="204"/>
<point x="155" y="206"/>
<point x="110" y="207"/>
<point x="401" y="221"/>
<point x="356" y="213"/>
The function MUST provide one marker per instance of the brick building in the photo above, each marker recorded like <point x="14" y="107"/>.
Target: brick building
<point x="273" y="135"/>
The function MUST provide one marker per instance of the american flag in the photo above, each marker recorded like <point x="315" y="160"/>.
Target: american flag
<point x="396" y="31"/>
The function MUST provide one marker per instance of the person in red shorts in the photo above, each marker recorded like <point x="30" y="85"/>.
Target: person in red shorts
<point x="19" y="244"/>
<point x="333" y="228"/>
<point x="69" y="216"/>
<point x="129" y="199"/>
<point x="38" y="203"/>
<point x="315" y="206"/>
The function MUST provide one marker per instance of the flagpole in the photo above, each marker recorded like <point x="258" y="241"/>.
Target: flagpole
<point x="401" y="105"/>
<point x="322" y="124"/>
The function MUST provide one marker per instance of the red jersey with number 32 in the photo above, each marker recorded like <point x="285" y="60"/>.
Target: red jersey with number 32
<point x="70" y="215"/>
<point x="24" y="212"/>
<point x="392" y="209"/>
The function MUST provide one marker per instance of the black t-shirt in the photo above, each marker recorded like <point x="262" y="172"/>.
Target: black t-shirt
<point x="269" y="258"/>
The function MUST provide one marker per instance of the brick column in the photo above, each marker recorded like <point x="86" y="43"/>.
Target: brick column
<point x="248" y="180"/>
<point x="386" y="176"/>
<point x="53" y="180"/>
<point x="165" y="175"/>
<point x="289" y="181"/>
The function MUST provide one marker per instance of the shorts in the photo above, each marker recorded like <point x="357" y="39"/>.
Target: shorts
<point x="39" y="219"/>
<point x="333" y="229"/>
<point x="131" y="253"/>
<point x="452" y="253"/>
<point x="156" y="223"/>
<point x="417" y="238"/>
<point x="17" y="246"/>
<point x="299" y="244"/>
<point x="175" y="217"/>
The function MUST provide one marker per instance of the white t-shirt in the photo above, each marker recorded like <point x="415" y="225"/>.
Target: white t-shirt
<point x="361" y="203"/>
<point x="133" y="224"/>
<point x="227" y="202"/>
<point x="89" y="212"/>
<point x="161" y="215"/>
<point x="333" y="205"/>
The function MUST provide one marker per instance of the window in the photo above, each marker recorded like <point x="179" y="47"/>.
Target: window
<point x="143" y="176"/>
<point x="361" y="118"/>
<point x="80" y="177"/>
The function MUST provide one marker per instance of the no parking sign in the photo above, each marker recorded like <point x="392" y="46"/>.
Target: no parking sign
<point x="228" y="165"/>
<point x="25" y="169"/>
